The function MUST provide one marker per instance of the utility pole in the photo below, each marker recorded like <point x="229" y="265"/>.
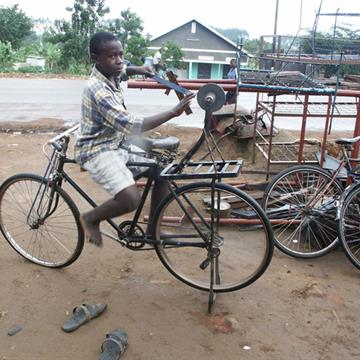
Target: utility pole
<point x="275" y="30"/>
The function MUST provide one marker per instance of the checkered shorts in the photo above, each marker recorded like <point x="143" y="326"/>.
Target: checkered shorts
<point x="109" y="169"/>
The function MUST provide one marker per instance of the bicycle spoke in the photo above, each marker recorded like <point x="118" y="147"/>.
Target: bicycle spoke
<point x="304" y="196"/>
<point x="241" y="259"/>
<point x="46" y="236"/>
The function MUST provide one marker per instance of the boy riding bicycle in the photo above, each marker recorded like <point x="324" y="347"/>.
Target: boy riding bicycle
<point x="105" y="125"/>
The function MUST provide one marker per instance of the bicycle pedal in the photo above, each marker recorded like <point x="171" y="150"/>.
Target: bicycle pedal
<point x="204" y="264"/>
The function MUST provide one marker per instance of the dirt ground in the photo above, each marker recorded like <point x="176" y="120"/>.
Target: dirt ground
<point x="297" y="310"/>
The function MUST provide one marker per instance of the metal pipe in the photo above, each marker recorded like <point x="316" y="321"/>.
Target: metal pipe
<point x="228" y="86"/>
<point x="271" y="137"/>
<point x="255" y="128"/>
<point x="355" y="151"/>
<point x="303" y="129"/>
<point x="327" y="122"/>
<point x="227" y="221"/>
<point x="145" y="84"/>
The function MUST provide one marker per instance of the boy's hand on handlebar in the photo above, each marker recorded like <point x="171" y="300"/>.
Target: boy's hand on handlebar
<point x="148" y="71"/>
<point x="183" y="104"/>
<point x="140" y="70"/>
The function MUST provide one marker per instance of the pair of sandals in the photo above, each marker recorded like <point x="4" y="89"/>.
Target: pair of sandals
<point x="116" y="341"/>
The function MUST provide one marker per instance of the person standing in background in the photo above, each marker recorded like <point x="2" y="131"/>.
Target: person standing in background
<point x="157" y="61"/>
<point x="231" y="75"/>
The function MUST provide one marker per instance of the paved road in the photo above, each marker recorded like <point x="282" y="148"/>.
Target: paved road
<point x="33" y="99"/>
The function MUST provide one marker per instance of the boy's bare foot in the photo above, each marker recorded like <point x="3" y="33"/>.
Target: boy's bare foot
<point x="92" y="230"/>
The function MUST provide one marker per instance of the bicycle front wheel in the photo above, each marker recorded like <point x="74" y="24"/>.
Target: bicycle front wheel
<point x="41" y="223"/>
<point x="300" y="203"/>
<point x="230" y="235"/>
<point x="349" y="225"/>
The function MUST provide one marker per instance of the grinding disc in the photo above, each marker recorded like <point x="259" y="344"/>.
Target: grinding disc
<point x="211" y="97"/>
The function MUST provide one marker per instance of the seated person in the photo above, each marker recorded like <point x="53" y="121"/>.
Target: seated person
<point x="105" y="124"/>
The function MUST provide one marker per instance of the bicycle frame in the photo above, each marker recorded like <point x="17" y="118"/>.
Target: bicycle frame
<point x="55" y="175"/>
<point x="55" y="172"/>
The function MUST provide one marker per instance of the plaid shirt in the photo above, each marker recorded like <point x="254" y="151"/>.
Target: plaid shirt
<point x="104" y="119"/>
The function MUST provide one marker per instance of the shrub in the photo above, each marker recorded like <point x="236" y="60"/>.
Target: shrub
<point x="30" y="69"/>
<point x="78" y="69"/>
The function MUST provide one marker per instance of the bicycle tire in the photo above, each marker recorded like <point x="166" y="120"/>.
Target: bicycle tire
<point x="243" y="257"/>
<point x="349" y="225"/>
<point x="303" y="219"/>
<point x="55" y="242"/>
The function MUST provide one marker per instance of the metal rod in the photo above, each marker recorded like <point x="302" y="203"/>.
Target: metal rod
<point x="355" y="151"/>
<point x="255" y="128"/>
<point x="271" y="137"/>
<point x="230" y="221"/>
<point x="303" y="129"/>
<point x="327" y="121"/>
<point x="145" y="84"/>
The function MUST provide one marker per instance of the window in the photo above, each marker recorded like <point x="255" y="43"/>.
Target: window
<point x="226" y="69"/>
<point x="204" y="71"/>
<point x="193" y="27"/>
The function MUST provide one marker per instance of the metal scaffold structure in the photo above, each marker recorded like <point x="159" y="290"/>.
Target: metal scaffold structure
<point x="289" y="65"/>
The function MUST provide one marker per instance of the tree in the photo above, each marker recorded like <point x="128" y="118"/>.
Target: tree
<point x="234" y="34"/>
<point x="136" y="49"/>
<point x="15" y="26"/>
<point x="7" y="55"/>
<point x="128" y="28"/>
<point x="86" y="15"/>
<point x="173" y="55"/>
<point x="253" y="46"/>
<point x="52" y="55"/>
<point x="73" y="36"/>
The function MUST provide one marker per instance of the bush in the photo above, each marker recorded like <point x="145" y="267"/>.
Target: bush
<point x="78" y="69"/>
<point x="30" y="69"/>
<point x="6" y="55"/>
<point x="4" y="69"/>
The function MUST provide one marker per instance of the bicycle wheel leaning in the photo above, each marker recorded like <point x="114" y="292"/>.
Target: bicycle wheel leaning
<point x="349" y="225"/>
<point x="300" y="203"/>
<point x="45" y="232"/>
<point x="242" y="241"/>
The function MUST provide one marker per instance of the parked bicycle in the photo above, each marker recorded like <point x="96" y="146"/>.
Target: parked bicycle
<point x="348" y="218"/>
<point x="309" y="209"/>
<point x="202" y="233"/>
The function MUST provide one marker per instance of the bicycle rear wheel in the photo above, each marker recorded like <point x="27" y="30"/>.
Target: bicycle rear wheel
<point x="53" y="241"/>
<point x="242" y="237"/>
<point x="349" y="225"/>
<point x="300" y="203"/>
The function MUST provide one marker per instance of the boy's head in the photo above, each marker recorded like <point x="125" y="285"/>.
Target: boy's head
<point x="107" y="53"/>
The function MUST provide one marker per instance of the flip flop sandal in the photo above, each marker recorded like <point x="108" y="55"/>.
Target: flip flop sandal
<point x="82" y="314"/>
<point x="114" y="345"/>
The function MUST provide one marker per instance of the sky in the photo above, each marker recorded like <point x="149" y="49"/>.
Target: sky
<point x="254" y="16"/>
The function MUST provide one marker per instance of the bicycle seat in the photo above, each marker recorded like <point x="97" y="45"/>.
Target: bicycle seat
<point x="166" y="143"/>
<point x="345" y="141"/>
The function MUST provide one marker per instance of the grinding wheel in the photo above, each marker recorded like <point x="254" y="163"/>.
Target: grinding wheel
<point x="211" y="97"/>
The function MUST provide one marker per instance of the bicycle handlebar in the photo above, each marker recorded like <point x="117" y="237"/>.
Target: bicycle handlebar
<point x="68" y="132"/>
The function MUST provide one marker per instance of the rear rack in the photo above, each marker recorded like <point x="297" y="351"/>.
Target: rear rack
<point x="202" y="170"/>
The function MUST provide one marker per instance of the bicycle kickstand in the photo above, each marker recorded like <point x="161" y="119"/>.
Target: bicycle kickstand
<point x="214" y="275"/>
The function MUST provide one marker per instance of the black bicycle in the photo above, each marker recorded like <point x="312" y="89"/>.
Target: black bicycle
<point x="312" y="208"/>
<point x="208" y="234"/>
